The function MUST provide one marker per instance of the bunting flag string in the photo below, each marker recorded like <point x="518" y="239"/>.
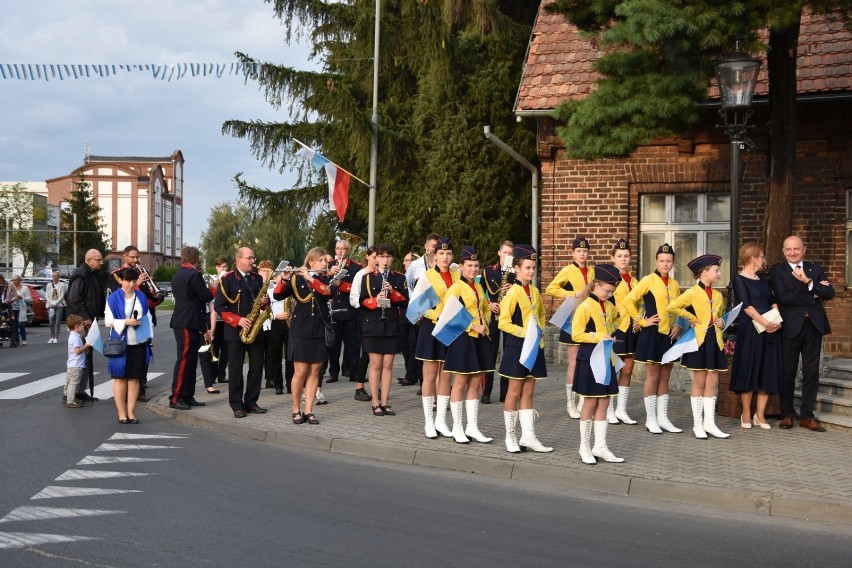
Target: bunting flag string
<point x="164" y="72"/>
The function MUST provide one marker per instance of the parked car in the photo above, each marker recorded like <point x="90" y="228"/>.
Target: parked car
<point x="37" y="311"/>
<point x="165" y="288"/>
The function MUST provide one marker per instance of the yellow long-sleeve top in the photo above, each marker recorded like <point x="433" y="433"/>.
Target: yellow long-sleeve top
<point x="516" y="310"/>
<point x="569" y="281"/>
<point x="440" y="288"/>
<point x="474" y="300"/>
<point x="603" y="322"/>
<point x="623" y="319"/>
<point x="706" y="311"/>
<point x="652" y="294"/>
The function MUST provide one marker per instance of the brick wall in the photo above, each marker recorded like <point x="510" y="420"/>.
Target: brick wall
<point x="600" y="199"/>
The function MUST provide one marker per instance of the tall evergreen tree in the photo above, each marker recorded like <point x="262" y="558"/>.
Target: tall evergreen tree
<point x="447" y="68"/>
<point x="89" y="231"/>
<point x="656" y="70"/>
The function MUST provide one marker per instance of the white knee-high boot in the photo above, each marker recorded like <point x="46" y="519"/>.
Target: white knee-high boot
<point x="663" y="414"/>
<point x="528" y="438"/>
<point x="472" y="430"/>
<point x="697" y="419"/>
<point x="572" y="406"/>
<point x="458" y="429"/>
<point x="621" y="407"/>
<point x="651" y="415"/>
<point x="441" y="416"/>
<point x="710" y="418"/>
<point x="585" y="442"/>
<point x="600" y="450"/>
<point x="510" y="419"/>
<point x="428" y="415"/>
<point x="610" y="411"/>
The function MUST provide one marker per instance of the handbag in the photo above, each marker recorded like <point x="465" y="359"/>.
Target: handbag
<point x="329" y="329"/>
<point x="115" y="347"/>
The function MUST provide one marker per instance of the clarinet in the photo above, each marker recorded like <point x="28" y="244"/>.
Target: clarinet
<point x="386" y="300"/>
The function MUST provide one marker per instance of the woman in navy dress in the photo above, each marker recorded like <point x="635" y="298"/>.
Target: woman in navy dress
<point x="757" y="357"/>
<point x="626" y="333"/>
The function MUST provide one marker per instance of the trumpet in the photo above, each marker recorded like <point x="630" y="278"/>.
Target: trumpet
<point x="149" y="283"/>
<point x="208" y="346"/>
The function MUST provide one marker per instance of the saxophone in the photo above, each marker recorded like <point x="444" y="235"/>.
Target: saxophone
<point x="257" y="315"/>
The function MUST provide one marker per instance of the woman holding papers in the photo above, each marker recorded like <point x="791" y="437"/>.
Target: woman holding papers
<point x="626" y="333"/>
<point x="128" y="316"/>
<point x="705" y="315"/>
<point x="436" y="382"/>
<point x="573" y="280"/>
<point x="381" y="293"/>
<point x="594" y="321"/>
<point x="757" y="357"/>
<point x="522" y="319"/>
<point x="468" y="354"/>
<point x="651" y="296"/>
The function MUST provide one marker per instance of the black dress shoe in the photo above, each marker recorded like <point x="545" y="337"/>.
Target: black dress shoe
<point x="239" y="413"/>
<point x="270" y="385"/>
<point x="86" y="396"/>
<point x="279" y="391"/>
<point x="222" y="380"/>
<point x="142" y="398"/>
<point x="179" y="405"/>
<point x="193" y="402"/>
<point x="486" y="399"/>
<point x="332" y="379"/>
<point x="256" y="409"/>
<point x="406" y="382"/>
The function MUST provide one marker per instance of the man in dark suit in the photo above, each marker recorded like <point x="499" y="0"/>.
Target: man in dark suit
<point x="800" y="288"/>
<point x="235" y="297"/>
<point x="496" y="280"/>
<point x="189" y="322"/>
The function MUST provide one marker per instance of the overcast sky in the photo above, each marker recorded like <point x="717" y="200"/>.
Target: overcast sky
<point x="45" y="125"/>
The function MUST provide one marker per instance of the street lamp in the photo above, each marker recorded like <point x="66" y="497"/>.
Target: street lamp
<point x="736" y="77"/>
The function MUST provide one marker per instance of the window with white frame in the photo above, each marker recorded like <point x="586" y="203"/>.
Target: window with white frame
<point x="849" y="238"/>
<point x="692" y="223"/>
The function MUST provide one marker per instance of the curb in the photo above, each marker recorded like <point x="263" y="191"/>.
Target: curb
<point x="730" y="499"/>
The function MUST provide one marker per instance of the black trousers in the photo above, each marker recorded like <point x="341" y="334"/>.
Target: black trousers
<point x="408" y="343"/>
<point x="276" y="341"/>
<point x="236" y="355"/>
<point x="183" y="377"/>
<point x="493" y="347"/>
<point x="89" y="374"/>
<point x="362" y="360"/>
<point x="345" y="336"/>
<point x="808" y="344"/>
<point x="221" y="351"/>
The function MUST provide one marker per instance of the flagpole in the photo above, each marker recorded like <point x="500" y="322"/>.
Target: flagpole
<point x="353" y="176"/>
<point x="374" y="147"/>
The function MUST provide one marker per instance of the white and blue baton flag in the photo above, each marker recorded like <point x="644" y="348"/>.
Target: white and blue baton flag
<point x="94" y="338"/>
<point x="563" y="316"/>
<point x="453" y="321"/>
<point x="731" y="316"/>
<point x="423" y="298"/>
<point x="532" y="338"/>
<point x="605" y="364"/>
<point x="687" y="343"/>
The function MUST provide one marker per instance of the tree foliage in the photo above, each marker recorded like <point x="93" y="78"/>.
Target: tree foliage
<point x="89" y="232"/>
<point x="24" y="212"/>
<point x="447" y="68"/>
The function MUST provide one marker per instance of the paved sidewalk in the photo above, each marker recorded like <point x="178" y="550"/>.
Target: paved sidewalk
<point x="793" y="473"/>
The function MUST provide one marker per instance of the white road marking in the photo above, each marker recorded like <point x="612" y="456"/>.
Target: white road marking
<point x="73" y="474"/>
<point x="103" y="391"/>
<point x="54" y="491"/>
<point x="119" y="436"/>
<point x="46" y="513"/>
<point x="21" y="540"/>
<point x="120" y="447"/>
<point x="10" y="376"/>
<point x="97" y="460"/>
<point x="34" y="387"/>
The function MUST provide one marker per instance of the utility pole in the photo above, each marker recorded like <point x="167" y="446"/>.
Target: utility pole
<point x="374" y="147"/>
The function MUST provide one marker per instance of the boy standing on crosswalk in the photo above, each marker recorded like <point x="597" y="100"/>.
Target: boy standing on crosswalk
<point x="76" y="359"/>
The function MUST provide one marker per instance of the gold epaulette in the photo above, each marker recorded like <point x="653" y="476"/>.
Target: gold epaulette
<point x="224" y="293"/>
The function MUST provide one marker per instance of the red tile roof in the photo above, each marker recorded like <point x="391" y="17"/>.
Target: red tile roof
<point x="559" y="63"/>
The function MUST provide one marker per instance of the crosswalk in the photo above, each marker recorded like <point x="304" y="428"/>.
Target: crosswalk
<point x="38" y="386"/>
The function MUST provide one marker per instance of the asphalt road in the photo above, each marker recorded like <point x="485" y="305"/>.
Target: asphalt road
<point x="203" y="498"/>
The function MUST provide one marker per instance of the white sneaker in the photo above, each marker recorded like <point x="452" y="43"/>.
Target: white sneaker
<point x="320" y="398"/>
<point x="50" y="340"/>
<point x="24" y="342"/>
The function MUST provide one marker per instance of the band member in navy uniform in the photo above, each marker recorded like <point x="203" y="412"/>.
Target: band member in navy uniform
<point x="130" y="257"/>
<point x="343" y="315"/>
<point x="382" y="293"/>
<point x="573" y="280"/>
<point x="307" y="346"/>
<point x="189" y="322"/>
<point x="496" y="280"/>
<point x="594" y="321"/>
<point x="235" y="297"/>
<point x="626" y="333"/>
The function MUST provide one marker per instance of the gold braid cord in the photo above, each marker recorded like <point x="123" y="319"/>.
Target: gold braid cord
<point x="230" y="300"/>
<point x="303" y="300"/>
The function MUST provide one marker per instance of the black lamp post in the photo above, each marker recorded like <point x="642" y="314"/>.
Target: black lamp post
<point x="736" y="77"/>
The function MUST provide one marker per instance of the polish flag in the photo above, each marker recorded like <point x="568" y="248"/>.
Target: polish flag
<point x="338" y="189"/>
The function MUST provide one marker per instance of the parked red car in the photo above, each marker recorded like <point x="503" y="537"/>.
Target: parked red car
<point x="37" y="311"/>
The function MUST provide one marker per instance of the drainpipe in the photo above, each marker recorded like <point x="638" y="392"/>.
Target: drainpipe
<point x="528" y="165"/>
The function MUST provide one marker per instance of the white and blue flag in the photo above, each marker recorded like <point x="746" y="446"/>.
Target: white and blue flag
<point x="605" y="364"/>
<point x="564" y="315"/>
<point x="94" y="338"/>
<point x="687" y="343"/>
<point x="453" y="321"/>
<point x="423" y="298"/>
<point x="532" y="338"/>
<point x="731" y="316"/>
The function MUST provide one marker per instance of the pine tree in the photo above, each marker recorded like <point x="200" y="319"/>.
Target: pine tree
<point x="89" y="232"/>
<point x="447" y="68"/>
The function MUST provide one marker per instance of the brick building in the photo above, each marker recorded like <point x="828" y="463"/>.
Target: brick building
<point x="677" y="190"/>
<point x="141" y="201"/>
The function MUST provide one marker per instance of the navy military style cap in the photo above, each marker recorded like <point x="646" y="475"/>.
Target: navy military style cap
<point x="608" y="274"/>
<point x="622" y="245"/>
<point x="524" y="252"/>
<point x="469" y="253"/>
<point x="696" y="265"/>
<point x="665" y="248"/>
<point x="580" y="243"/>
<point x="444" y="243"/>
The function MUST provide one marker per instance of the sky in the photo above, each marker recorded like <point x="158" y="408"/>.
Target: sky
<point x="45" y="125"/>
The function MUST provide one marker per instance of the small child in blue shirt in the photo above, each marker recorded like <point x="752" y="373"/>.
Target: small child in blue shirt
<point x="76" y="359"/>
